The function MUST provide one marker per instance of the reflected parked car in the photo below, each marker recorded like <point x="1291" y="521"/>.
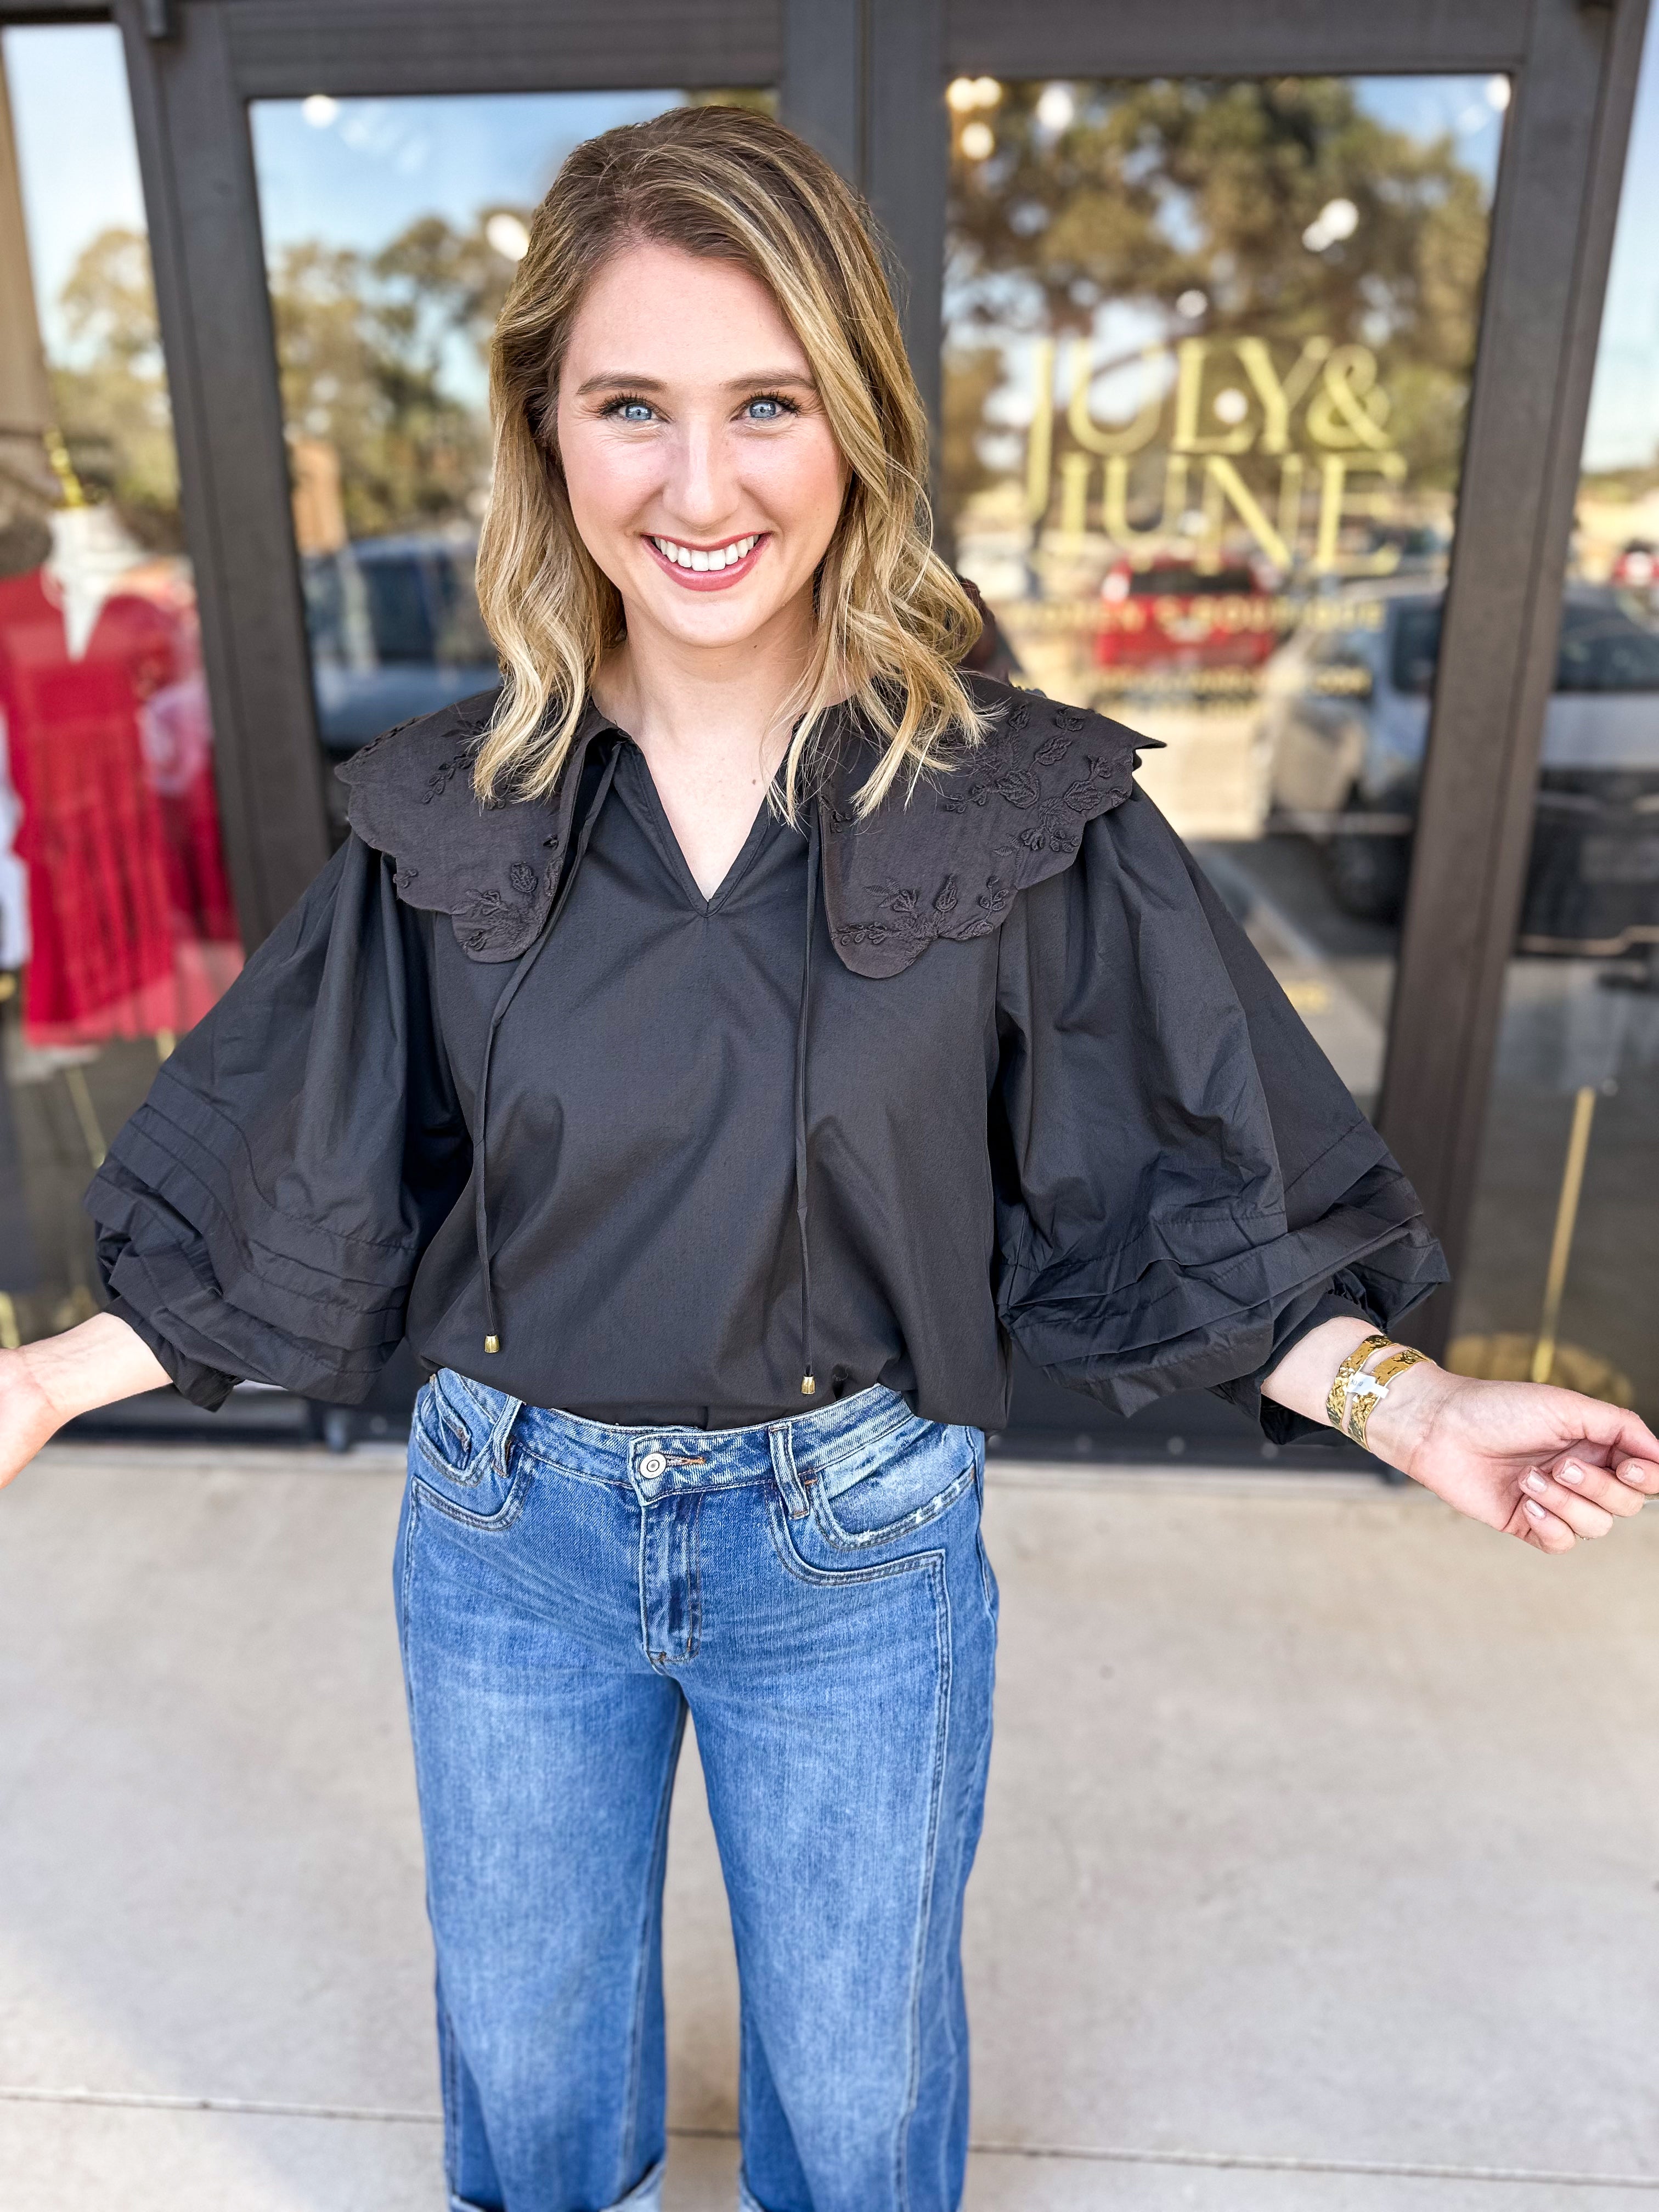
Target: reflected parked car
<point x="1344" y="717"/>
<point x="395" y="631"/>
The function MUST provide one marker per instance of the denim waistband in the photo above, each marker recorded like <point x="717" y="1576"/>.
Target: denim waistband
<point x="838" y="1443"/>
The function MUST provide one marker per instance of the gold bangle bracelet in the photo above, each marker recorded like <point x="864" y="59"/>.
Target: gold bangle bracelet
<point x="1402" y="1357"/>
<point x="1336" y="1399"/>
<point x="1363" y="1402"/>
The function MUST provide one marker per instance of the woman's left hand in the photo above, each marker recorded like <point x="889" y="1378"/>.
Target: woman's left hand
<point x="1538" y="1463"/>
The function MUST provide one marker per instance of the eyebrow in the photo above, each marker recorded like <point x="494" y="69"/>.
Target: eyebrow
<point x="615" y="380"/>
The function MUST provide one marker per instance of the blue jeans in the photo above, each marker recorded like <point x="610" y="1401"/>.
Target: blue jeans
<point x="816" y="1594"/>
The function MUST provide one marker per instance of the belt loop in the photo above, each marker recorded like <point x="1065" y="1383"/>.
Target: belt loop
<point x="511" y="1409"/>
<point x="783" y="1469"/>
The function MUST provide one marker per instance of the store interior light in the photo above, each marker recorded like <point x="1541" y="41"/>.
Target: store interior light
<point x="978" y="141"/>
<point x="964" y="94"/>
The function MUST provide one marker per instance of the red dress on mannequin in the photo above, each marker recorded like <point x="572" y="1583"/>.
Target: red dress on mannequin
<point x="110" y="748"/>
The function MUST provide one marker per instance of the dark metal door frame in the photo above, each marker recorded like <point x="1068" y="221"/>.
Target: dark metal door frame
<point x="864" y="80"/>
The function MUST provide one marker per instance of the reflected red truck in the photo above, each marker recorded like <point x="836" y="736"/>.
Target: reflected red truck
<point x="1174" y="614"/>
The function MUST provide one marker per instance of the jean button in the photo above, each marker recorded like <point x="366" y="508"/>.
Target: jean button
<point x="653" y="1465"/>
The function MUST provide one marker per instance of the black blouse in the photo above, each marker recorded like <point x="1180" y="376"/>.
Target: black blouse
<point x="993" y="1065"/>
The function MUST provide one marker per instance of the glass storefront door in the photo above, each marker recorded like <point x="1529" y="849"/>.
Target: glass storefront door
<point x="1562" y="1278"/>
<point x="391" y="228"/>
<point x="1208" y="352"/>
<point x="116" y="930"/>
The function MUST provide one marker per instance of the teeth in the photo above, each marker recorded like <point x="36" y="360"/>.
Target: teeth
<point x="690" y="556"/>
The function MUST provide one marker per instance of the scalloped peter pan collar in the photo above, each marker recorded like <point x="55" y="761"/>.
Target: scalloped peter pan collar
<point x="948" y="863"/>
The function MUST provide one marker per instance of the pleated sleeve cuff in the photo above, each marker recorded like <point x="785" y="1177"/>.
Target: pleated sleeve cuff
<point x="221" y="1283"/>
<point x="1214" y="1302"/>
<point x="203" y="1385"/>
<point x="1346" y="1300"/>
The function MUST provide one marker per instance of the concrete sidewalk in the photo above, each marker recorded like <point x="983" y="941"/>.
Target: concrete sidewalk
<point x="1320" y="1868"/>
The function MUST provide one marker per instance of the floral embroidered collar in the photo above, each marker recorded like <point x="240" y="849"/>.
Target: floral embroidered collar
<point x="947" y="863"/>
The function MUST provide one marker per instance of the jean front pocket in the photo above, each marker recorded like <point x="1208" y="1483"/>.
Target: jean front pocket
<point x="920" y="1472"/>
<point x="451" y="1428"/>
<point x="460" y="1451"/>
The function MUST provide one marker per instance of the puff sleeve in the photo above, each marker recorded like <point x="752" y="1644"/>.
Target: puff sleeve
<point x="262" y="1214"/>
<point x="1184" y="1183"/>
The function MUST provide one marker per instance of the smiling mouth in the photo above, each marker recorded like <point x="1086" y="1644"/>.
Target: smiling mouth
<point x="708" y="568"/>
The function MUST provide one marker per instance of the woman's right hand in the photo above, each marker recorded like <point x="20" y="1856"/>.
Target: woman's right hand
<point x="50" y="1381"/>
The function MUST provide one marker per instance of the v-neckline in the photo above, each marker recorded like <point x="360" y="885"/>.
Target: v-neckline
<point x="674" y="852"/>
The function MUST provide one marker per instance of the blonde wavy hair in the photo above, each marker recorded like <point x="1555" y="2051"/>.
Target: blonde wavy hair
<point x="892" y="620"/>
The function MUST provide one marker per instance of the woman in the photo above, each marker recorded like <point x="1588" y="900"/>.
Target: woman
<point x="710" y="1053"/>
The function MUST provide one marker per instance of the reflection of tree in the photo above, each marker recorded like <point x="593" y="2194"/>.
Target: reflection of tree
<point x="364" y="342"/>
<point x="1151" y="190"/>
<point x="111" y="395"/>
<point x="972" y="374"/>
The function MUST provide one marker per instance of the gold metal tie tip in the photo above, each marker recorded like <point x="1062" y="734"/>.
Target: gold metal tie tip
<point x="809" y="1386"/>
<point x="492" y="1344"/>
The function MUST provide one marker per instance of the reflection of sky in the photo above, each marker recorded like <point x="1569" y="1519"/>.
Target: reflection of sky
<point x="1624" y="417"/>
<point x="75" y="156"/>
<point x="363" y="177"/>
<point x="382" y="162"/>
<point x="1430" y="107"/>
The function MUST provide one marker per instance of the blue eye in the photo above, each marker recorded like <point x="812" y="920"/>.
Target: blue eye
<point x="768" y="408"/>
<point x="632" y="411"/>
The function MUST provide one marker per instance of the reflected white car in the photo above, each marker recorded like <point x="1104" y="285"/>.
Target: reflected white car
<point x="1344" y="719"/>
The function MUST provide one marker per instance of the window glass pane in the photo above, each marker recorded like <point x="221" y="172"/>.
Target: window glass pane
<point x="1207" y="356"/>
<point x="116" y="930"/>
<point x="1562" y="1274"/>
<point x="391" y="228"/>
